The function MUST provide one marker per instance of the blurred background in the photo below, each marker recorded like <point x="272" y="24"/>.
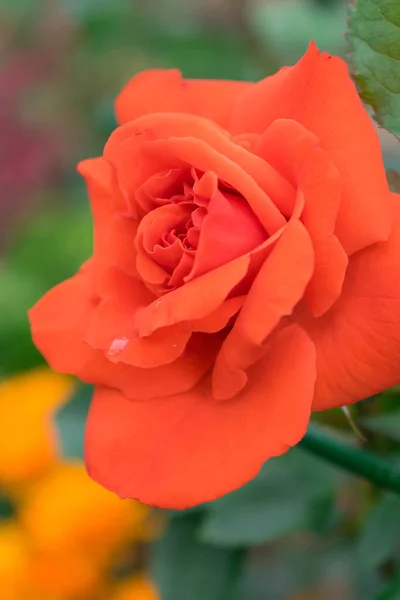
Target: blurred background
<point x="309" y="532"/>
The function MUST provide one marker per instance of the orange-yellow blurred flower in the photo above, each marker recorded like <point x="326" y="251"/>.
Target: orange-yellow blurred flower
<point x="26" y="574"/>
<point x="29" y="399"/>
<point x="69" y="533"/>
<point x="68" y="511"/>
<point x="13" y="561"/>
<point x="136" y="588"/>
<point x="60" y="576"/>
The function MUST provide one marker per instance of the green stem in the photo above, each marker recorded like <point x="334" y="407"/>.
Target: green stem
<point x="355" y="460"/>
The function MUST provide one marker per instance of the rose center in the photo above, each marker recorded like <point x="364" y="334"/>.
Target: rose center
<point x="202" y="226"/>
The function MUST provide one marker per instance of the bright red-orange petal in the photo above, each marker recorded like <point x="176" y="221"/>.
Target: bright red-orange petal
<point x="166" y="91"/>
<point x="329" y="274"/>
<point x="220" y="318"/>
<point x="160" y="142"/>
<point x="113" y="231"/>
<point x="319" y="94"/>
<point x="276" y="290"/>
<point x="56" y="323"/>
<point x="165" y="380"/>
<point x="58" y="326"/>
<point x="230" y="228"/>
<point x="194" y="300"/>
<point x="295" y="152"/>
<point x="111" y="329"/>
<point x="279" y="285"/>
<point x="111" y="325"/>
<point x="358" y="340"/>
<point x="189" y="448"/>
<point x="165" y="126"/>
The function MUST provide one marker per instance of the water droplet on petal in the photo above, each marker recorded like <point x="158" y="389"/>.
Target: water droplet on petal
<point x="174" y="345"/>
<point x="158" y="304"/>
<point x="117" y="346"/>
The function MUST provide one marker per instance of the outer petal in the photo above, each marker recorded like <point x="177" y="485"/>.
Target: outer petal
<point x="295" y="152"/>
<point x="58" y="317"/>
<point x="358" y="340"/>
<point x="165" y="90"/>
<point x="319" y="94"/>
<point x="190" y="449"/>
<point x="58" y="323"/>
<point x="278" y="287"/>
<point x="114" y="231"/>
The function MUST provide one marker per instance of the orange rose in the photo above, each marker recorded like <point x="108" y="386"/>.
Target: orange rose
<point x="243" y="274"/>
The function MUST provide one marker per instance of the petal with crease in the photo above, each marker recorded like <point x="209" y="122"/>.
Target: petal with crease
<point x="189" y="449"/>
<point x="159" y="90"/>
<point x="358" y="340"/>
<point x="319" y="94"/>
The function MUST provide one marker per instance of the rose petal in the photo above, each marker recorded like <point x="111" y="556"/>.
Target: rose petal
<point x="220" y="318"/>
<point x="295" y="152"/>
<point x="189" y="449"/>
<point x="165" y="90"/>
<point x="276" y="290"/>
<point x="160" y="188"/>
<point x="194" y="300"/>
<point x="57" y="317"/>
<point x="58" y="323"/>
<point x="164" y="141"/>
<point x="319" y="94"/>
<point x="114" y="233"/>
<point x="229" y="229"/>
<point x="110" y="327"/>
<point x="358" y="340"/>
<point x="157" y="262"/>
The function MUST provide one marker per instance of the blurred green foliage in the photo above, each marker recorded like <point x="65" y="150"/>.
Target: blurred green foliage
<point x="70" y="422"/>
<point x="44" y="251"/>
<point x="185" y="567"/>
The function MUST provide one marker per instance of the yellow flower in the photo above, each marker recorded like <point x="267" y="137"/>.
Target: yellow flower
<point x="26" y="574"/>
<point x="61" y="576"/>
<point x="67" y="510"/>
<point x="27" y="439"/>
<point x="13" y="561"/>
<point x="136" y="588"/>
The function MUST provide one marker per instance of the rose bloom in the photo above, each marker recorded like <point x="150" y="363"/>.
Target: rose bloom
<point x="246" y="247"/>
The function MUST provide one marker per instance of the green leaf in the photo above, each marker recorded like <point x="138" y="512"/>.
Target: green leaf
<point x="183" y="567"/>
<point x="266" y="508"/>
<point x="392" y="592"/>
<point x="374" y="35"/>
<point x="380" y="535"/>
<point x="70" y="422"/>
